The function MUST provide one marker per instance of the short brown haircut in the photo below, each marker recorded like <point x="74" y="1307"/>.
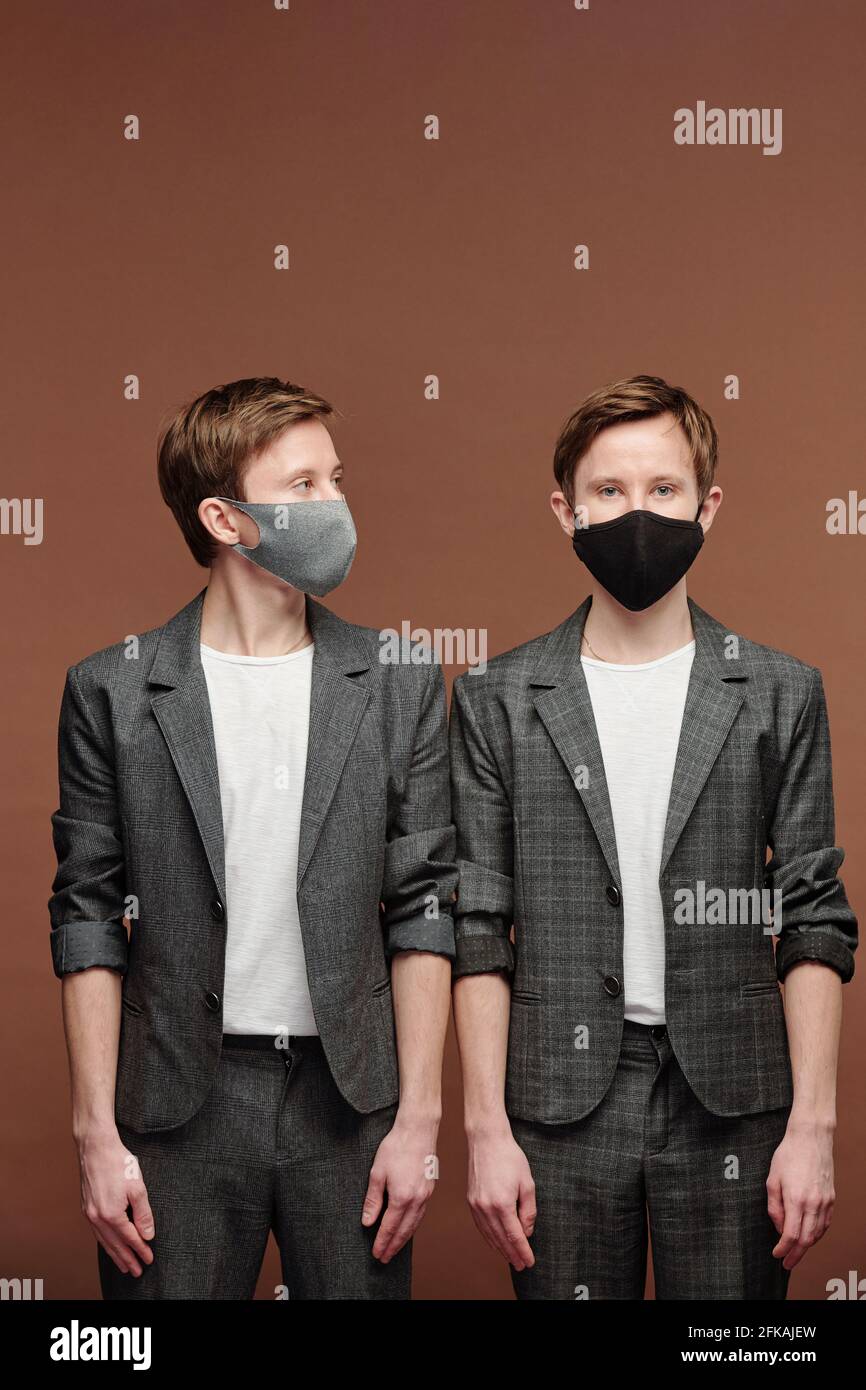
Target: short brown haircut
<point x="204" y="447"/>
<point x="635" y="399"/>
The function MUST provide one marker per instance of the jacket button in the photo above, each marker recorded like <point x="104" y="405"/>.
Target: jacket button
<point x="611" y="985"/>
<point x="613" y="895"/>
<point x="212" y="1000"/>
<point x="217" y="911"/>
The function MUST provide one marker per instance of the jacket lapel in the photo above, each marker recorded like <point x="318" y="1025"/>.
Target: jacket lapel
<point x="716" y="692"/>
<point x="182" y="710"/>
<point x="336" y="706"/>
<point x="565" y="708"/>
<point x="183" y="714"/>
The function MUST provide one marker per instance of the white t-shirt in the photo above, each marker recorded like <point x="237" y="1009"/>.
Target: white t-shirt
<point x="638" y="714"/>
<point x="260" y="707"/>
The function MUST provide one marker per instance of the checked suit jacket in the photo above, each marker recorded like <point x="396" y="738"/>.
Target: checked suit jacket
<point x="537" y="852"/>
<point x="140" y="818"/>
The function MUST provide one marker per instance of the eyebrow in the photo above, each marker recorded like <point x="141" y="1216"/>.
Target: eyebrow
<point x="289" y="478"/>
<point x="610" y="479"/>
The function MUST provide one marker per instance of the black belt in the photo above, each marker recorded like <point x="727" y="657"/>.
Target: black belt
<point x="271" y="1042"/>
<point x="655" y="1030"/>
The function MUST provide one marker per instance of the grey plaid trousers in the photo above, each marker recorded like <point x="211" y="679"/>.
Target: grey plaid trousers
<point x="275" y="1147"/>
<point x="650" y="1156"/>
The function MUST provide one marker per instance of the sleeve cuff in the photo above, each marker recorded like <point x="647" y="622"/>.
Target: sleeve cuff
<point x="479" y="954"/>
<point x="434" y="934"/>
<point x="79" y="945"/>
<point x="811" y="943"/>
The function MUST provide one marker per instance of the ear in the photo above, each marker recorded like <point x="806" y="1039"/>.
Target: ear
<point x="563" y="512"/>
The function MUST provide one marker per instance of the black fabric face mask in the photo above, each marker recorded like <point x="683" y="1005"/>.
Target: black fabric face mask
<point x="638" y="556"/>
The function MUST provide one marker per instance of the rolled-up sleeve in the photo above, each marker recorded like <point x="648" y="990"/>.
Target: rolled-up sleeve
<point x="420" y="874"/>
<point x="817" y="923"/>
<point x="483" y="821"/>
<point x="86" y="908"/>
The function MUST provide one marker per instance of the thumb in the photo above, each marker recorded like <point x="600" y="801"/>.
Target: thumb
<point x="373" y="1197"/>
<point x="142" y="1216"/>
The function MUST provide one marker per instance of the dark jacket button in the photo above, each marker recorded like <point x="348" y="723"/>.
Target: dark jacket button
<point x="611" y="986"/>
<point x="217" y="911"/>
<point x="613" y="894"/>
<point x="212" y="1000"/>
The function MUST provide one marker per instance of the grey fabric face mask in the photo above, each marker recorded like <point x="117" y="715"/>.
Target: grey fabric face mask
<point x="310" y="545"/>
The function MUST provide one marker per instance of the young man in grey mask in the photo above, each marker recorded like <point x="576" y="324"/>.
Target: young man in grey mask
<point x="268" y="804"/>
<point x="618" y="785"/>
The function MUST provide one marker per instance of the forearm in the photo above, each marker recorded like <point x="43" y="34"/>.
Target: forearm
<point x="91" y="1019"/>
<point x="421" y="990"/>
<point x="813" y="1013"/>
<point x="482" y="1004"/>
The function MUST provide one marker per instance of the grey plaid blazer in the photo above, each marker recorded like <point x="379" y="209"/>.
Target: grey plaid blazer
<point x="536" y="849"/>
<point x="140" y="815"/>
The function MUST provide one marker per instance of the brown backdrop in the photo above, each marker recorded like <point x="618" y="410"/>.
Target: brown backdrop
<point x="411" y="257"/>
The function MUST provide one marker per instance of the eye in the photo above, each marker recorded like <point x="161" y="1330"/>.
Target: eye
<point x="609" y="490"/>
<point x="665" y="488"/>
<point x="302" y="482"/>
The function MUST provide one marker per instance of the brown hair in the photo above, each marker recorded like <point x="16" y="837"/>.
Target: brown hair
<point x="204" y="446"/>
<point x="634" y="399"/>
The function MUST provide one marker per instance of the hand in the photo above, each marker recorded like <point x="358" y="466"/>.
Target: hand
<point x="800" y="1193"/>
<point x="501" y="1194"/>
<point x="402" y="1167"/>
<point x="111" y="1181"/>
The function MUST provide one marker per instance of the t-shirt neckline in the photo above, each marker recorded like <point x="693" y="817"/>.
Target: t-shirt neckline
<point x="640" y="666"/>
<point x="237" y="659"/>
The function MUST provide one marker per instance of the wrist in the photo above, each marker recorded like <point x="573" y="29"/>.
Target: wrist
<point x="93" y="1129"/>
<point x="491" y="1122"/>
<point x="811" y="1119"/>
<point x="423" y="1113"/>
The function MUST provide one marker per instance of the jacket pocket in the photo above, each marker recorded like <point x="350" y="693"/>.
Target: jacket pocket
<point x="522" y="1020"/>
<point x="384" y="1007"/>
<point x="759" y="987"/>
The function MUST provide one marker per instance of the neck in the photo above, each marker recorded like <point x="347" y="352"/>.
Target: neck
<point x="627" y="638"/>
<point x="252" y="614"/>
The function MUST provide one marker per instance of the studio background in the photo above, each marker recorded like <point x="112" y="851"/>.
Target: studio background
<point x="153" y="259"/>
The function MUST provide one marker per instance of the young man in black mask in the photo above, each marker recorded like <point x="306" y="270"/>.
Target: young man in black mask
<point x="647" y="798"/>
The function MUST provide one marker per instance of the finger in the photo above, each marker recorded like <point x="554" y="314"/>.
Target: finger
<point x="791" y="1232"/>
<point x="404" y="1232"/>
<point x="805" y="1239"/>
<point x="373" y="1197"/>
<point x="794" y="1255"/>
<point x="519" y="1250"/>
<point x="483" y="1225"/>
<point x="119" y="1253"/>
<point x="390" y="1224"/>
<point x="526" y="1208"/>
<point x="498" y="1217"/>
<point x="491" y="1230"/>
<point x="128" y="1235"/>
<point x="825" y="1222"/>
<point x="142" y="1216"/>
<point x="775" y="1204"/>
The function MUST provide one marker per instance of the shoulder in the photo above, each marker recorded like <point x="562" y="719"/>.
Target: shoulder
<point x="124" y="662"/>
<point x="398" y="662"/>
<point x="768" y="668"/>
<point x="506" y="677"/>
